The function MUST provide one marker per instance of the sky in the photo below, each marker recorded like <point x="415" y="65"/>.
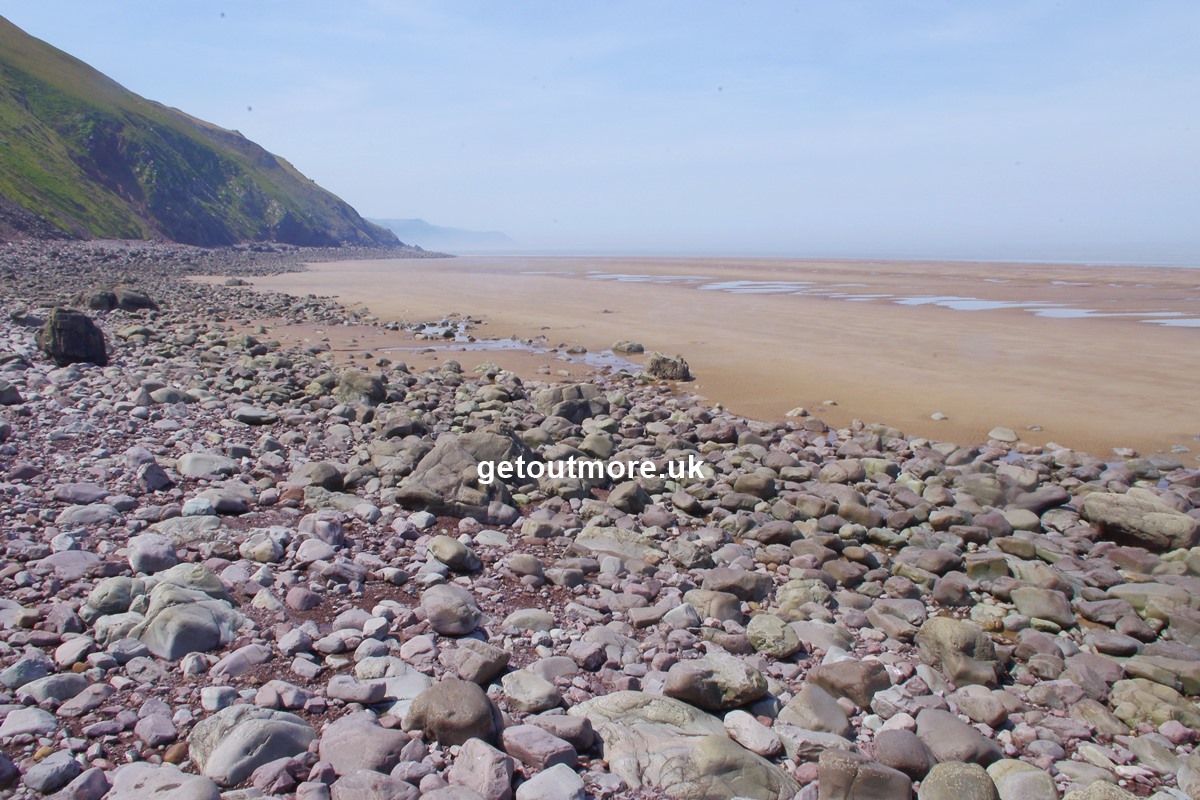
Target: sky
<point x="925" y="128"/>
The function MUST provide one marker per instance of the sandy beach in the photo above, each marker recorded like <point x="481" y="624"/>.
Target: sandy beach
<point x="1090" y="357"/>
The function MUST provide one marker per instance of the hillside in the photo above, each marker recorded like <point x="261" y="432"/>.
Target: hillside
<point x="83" y="157"/>
<point x="437" y="237"/>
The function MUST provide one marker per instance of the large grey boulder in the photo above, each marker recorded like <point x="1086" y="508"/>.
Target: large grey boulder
<point x="485" y="770"/>
<point x="857" y="680"/>
<point x="356" y="386"/>
<point x="187" y="614"/>
<point x="203" y="465"/>
<point x="815" y="709"/>
<point x="715" y="682"/>
<point x="1041" y="603"/>
<point x="71" y="337"/>
<point x="29" y="720"/>
<point x="1138" y="700"/>
<point x="960" y="649"/>
<point x="597" y="540"/>
<point x="1139" y="519"/>
<point x="559" y="782"/>
<point x="358" y="741"/>
<point x="143" y="781"/>
<point x="366" y="784"/>
<point x="1016" y="780"/>
<point x="10" y="395"/>
<point x="575" y="403"/>
<point x="114" y="595"/>
<point x="951" y="739"/>
<point x="450" y="609"/>
<point x="237" y="740"/>
<point x="850" y="776"/>
<point x="151" y="553"/>
<point x="453" y="711"/>
<point x="662" y="744"/>
<point x="52" y="773"/>
<point x="770" y="635"/>
<point x="668" y="368"/>
<point x="903" y="750"/>
<point x="1154" y="600"/>
<point x="954" y="780"/>
<point x="446" y="481"/>
<point x="123" y="297"/>
<point x="476" y="661"/>
<point x="92" y="514"/>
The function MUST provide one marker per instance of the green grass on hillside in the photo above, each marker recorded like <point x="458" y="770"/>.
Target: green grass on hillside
<point x="97" y="160"/>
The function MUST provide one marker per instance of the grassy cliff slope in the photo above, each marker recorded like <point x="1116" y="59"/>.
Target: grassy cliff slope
<point x="83" y="157"/>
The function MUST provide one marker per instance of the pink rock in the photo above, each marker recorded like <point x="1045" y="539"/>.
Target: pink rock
<point x="537" y="748"/>
<point x="483" y="769"/>
<point x="1176" y="732"/>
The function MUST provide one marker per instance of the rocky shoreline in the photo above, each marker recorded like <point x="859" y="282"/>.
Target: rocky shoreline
<point x="234" y="569"/>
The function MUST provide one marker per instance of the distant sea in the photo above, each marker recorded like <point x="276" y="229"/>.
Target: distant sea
<point x="1109" y="256"/>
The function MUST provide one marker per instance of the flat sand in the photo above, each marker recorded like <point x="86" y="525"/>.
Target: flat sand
<point x="889" y="342"/>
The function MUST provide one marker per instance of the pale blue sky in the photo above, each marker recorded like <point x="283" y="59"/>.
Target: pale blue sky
<point x="942" y="129"/>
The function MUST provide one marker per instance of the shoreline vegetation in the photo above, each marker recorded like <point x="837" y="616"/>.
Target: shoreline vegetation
<point x="248" y="547"/>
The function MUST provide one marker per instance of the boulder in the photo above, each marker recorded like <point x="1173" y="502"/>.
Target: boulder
<point x="954" y="780"/>
<point x="951" y="739"/>
<point x="815" y="709"/>
<point x="151" y="552"/>
<point x="667" y="368"/>
<point x="1139" y="519"/>
<point x="903" y="750"/>
<point x="476" y="661"/>
<point x="856" y="680"/>
<point x="143" y="781"/>
<point x="575" y="403"/>
<point x="445" y="481"/>
<point x="661" y="744"/>
<point x="366" y="784"/>
<point x="357" y="741"/>
<point x="529" y="692"/>
<point x="560" y="782"/>
<point x="450" y="609"/>
<point x="960" y="649"/>
<point x="453" y="553"/>
<point x="849" y="776"/>
<point x="71" y="337"/>
<point x="1040" y="603"/>
<point x="623" y="544"/>
<point x="122" y="297"/>
<point x="10" y="395"/>
<point x="483" y="769"/>
<point x="1016" y="780"/>
<point x="453" y="711"/>
<point x="205" y="465"/>
<point x="356" y="386"/>
<point x="187" y="618"/>
<point x="715" y="682"/>
<point x="772" y="636"/>
<point x="1137" y="700"/>
<point x="237" y="740"/>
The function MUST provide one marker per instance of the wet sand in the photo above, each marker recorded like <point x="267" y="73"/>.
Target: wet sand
<point x="888" y="341"/>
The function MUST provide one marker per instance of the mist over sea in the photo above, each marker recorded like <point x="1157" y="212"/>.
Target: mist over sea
<point x="1097" y="255"/>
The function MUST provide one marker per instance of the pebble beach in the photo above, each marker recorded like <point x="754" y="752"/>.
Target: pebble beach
<point x="247" y="551"/>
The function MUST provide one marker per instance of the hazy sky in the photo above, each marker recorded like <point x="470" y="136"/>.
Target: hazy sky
<point x="997" y="129"/>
